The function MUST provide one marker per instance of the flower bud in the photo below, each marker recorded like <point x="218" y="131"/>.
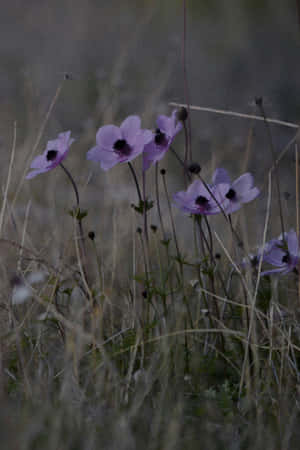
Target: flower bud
<point x="182" y="114"/>
<point x="194" y="167"/>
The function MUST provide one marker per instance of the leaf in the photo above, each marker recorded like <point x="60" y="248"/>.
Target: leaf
<point x="78" y="213"/>
<point x="148" y="204"/>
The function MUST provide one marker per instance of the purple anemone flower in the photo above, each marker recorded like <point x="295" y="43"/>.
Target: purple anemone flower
<point x="56" y="151"/>
<point x="198" y="200"/>
<point x="119" y="144"/>
<point x="240" y="191"/>
<point x="283" y="253"/>
<point x="253" y="259"/>
<point x="167" y="128"/>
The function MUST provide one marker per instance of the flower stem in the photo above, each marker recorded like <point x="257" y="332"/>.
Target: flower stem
<point x="79" y="219"/>
<point x="72" y="182"/>
<point x="158" y="203"/>
<point x="135" y="181"/>
<point x="145" y="209"/>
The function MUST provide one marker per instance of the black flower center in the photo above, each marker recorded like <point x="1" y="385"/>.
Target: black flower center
<point x="51" y="155"/>
<point x="286" y="258"/>
<point x="201" y="201"/>
<point x="160" y="137"/>
<point x="231" y="194"/>
<point x="122" y="148"/>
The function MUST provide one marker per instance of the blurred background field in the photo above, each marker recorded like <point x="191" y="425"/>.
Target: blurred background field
<point x="124" y="57"/>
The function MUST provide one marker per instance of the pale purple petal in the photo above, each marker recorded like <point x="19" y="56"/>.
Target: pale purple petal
<point x="250" y="195"/>
<point x="275" y="256"/>
<point x="138" y="144"/>
<point x="194" y="189"/>
<point x="169" y="125"/>
<point x="65" y="136"/>
<point x="35" y="172"/>
<point x="130" y="127"/>
<point x="218" y="199"/>
<point x="292" y="242"/>
<point x="39" y="162"/>
<point x="243" y="184"/>
<point x="164" y="123"/>
<point x="51" y="145"/>
<point x="147" y="161"/>
<point x="269" y="272"/>
<point x="147" y="136"/>
<point x="107" y="136"/>
<point x="221" y="176"/>
<point x="106" y="158"/>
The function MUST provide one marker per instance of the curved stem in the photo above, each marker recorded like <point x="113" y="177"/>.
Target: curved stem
<point x="145" y="209"/>
<point x="158" y="202"/>
<point x="135" y="181"/>
<point x="79" y="220"/>
<point x="72" y="182"/>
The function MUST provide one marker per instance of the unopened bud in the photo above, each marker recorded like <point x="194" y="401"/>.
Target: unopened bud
<point x="182" y="114"/>
<point x="91" y="235"/>
<point x="194" y="167"/>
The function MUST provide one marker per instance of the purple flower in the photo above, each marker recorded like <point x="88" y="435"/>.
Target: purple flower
<point x="254" y="258"/>
<point x="56" y="151"/>
<point x="119" y="144"/>
<point x="198" y="200"/>
<point x="283" y="253"/>
<point x="239" y="192"/>
<point x="167" y="128"/>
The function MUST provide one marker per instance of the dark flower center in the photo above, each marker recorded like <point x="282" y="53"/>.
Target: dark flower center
<point x="201" y="201"/>
<point x="51" y="155"/>
<point x="122" y="148"/>
<point x="286" y="258"/>
<point x="160" y="137"/>
<point x="231" y="194"/>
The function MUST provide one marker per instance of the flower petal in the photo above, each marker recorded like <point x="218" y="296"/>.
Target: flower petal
<point x="269" y="272"/>
<point x="106" y="158"/>
<point x="39" y="162"/>
<point x="36" y="172"/>
<point x="130" y="127"/>
<point x="108" y="135"/>
<point x="292" y="242"/>
<point x="243" y="184"/>
<point x="221" y="176"/>
<point x="250" y="195"/>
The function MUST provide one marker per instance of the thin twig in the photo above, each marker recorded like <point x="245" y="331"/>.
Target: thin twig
<point x="236" y="114"/>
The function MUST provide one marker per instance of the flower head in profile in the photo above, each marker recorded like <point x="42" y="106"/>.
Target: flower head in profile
<point x="198" y="199"/>
<point x="167" y="128"/>
<point x="283" y="253"/>
<point x="56" y="151"/>
<point x="253" y="259"/>
<point x="240" y="191"/>
<point x="119" y="144"/>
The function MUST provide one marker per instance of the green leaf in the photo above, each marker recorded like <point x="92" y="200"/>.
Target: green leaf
<point x="78" y="213"/>
<point x="148" y="204"/>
